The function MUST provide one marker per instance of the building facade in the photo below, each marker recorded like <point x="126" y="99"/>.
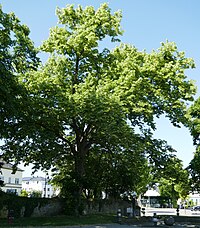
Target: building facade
<point x="39" y="184"/>
<point x="195" y="198"/>
<point x="12" y="181"/>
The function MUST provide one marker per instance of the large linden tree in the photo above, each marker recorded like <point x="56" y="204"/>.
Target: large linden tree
<point x="89" y="103"/>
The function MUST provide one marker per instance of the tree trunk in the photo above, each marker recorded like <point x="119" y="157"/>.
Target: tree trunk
<point x="80" y="157"/>
<point x="80" y="152"/>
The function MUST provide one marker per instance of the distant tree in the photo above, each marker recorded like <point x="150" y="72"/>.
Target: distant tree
<point x="194" y="170"/>
<point x="24" y="193"/>
<point x="35" y="194"/>
<point x="88" y="101"/>
<point x="194" y="166"/>
<point x="183" y="188"/>
<point x="173" y="180"/>
<point x="194" y="116"/>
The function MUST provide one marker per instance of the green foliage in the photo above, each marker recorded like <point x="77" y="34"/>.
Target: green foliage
<point x="17" y="56"/>
<point x="173" y="180"/>
<point x="36" y="194"/>
<point x="16" y="203"/>
<point x="24" y="193"/>
<point x="194" y="170"/>
<point x="194" y="166"/>
<point x="194" y="116"/>
<point x="90" y="112"/>
<point x="17" y="50"/>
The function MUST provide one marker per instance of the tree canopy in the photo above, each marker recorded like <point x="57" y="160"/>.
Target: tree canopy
<point x="194" y="165"/>
<point x="92" y="109"/>
<point x="17" y="56"/>
<point x="173" y="180"/>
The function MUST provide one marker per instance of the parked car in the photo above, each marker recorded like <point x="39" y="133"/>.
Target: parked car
<point x="196" y="208"/>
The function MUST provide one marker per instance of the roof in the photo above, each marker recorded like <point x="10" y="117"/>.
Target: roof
<point x="152" y="192"/>
<point x="8" y="166"/>
<point x="26" y="178"/>
<point x="33" y="179"/>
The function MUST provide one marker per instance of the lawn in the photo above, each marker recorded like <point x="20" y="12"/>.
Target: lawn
<point x="60" y="221"/>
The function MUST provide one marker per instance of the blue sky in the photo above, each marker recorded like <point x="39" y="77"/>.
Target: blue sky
<point x="146" y="23"/>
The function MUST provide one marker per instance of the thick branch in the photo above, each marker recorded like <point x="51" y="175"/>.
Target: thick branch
<point x="75" y="78"/>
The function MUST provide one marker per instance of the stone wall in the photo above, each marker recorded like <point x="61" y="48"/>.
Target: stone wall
<point x="52" y="207"/>
<point x="106" y="206"/>
<point x="29" y="207"/>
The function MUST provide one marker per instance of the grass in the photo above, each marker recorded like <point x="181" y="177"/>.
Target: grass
<point x="60" y="221"/>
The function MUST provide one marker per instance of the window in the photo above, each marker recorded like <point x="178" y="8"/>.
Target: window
<point x="1" y="178"/>
<point x="9" y="180"/>
<point x="16" y="180"/>
<point x="12" y="191"/>
<point x="48" y="189"/>
<point x="1" y="181"/>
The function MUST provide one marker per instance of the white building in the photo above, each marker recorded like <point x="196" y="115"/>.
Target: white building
<point x="195" y="198"/>
<point x="150" y="198"/>
<point x="12" y="181"/>
<point x="40" y="184"/>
